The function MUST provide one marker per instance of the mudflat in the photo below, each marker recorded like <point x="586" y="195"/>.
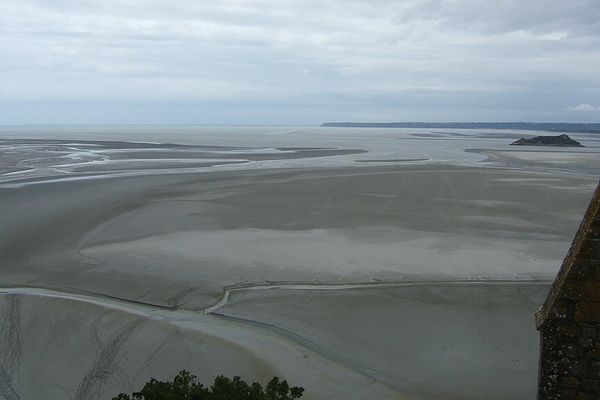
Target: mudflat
<point x="178" y="239"/>
<point x="434" y="340"/>
<point x="359" y="265"/>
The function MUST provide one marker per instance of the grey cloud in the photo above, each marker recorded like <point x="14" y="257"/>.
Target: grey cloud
<point x="576" y="17"/>
<point x="584" y="107"/>
<point x="375" y="59"/>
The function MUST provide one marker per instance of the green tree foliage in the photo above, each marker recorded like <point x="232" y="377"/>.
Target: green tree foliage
<point x="185" y="387"/>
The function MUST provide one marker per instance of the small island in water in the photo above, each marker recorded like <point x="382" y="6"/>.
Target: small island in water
<point x="560" y="140"/>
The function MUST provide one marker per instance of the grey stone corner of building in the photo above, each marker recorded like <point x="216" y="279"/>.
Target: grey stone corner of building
<point x="569" y="319"/>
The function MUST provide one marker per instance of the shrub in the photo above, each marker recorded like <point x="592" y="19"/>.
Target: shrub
<point x="186" y="387"/>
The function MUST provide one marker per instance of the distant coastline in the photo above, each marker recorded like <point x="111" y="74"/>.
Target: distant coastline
<point x="531" y="126"/>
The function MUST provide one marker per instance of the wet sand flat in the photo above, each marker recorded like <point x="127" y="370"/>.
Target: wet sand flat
<point x="179" y="239"/>
<point x="582" y="159"/>
<point x="442" y="341"/>
<point x="60" y="346"/>
<point x="123" y="260"/>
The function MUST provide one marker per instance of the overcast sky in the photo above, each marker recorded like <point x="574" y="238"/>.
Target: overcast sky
<point x="298" y="62"/>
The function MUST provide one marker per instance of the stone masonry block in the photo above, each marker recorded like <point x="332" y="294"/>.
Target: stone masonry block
<point x="589" y="250"/>
<point x="568" y="382"/>
<point x="585" y="270"/>
<point x="590" y="385"/>
<point x="587" y="311"/>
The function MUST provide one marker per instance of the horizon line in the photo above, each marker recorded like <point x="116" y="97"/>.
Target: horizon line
<point x="298" y="125"/>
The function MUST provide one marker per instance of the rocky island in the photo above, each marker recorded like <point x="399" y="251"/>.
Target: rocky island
<point x="560" y="140"/>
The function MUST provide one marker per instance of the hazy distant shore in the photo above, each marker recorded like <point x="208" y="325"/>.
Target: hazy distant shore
<point x="531" y="126"/>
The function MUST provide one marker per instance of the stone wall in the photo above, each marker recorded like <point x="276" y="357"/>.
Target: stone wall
<point x="570" y="361"/>
<point x="569" y="320"/>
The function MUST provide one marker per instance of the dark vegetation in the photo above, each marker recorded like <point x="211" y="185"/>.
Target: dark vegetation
<point x="186" y="387"/>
